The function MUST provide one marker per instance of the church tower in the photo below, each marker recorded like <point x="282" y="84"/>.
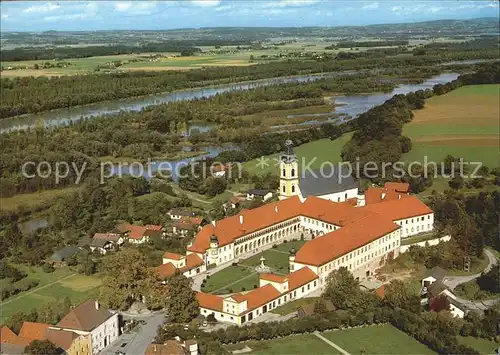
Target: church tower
<point x="289" y="173"/>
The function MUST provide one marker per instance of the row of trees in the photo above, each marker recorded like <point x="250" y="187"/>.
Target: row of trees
<point x="31" y="95"/>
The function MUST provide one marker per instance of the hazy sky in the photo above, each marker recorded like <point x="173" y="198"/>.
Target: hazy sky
<point x="102" y="15"/>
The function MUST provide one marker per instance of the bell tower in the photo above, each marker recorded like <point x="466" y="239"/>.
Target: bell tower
<point x="289" y="173"/>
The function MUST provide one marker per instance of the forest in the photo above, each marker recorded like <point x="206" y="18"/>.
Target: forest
<point x="31" y="95"/>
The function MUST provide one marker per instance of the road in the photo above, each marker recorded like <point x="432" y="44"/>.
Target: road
<point x="136" y="342"/>
<point x="453" y="281"/>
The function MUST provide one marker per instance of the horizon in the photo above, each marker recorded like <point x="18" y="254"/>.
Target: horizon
<point x="78" y="16"/>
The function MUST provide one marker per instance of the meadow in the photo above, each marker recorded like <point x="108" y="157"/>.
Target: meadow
<point x="463" y="123"/>
<point x="323" y="150"/>
<point x="52" y="286"/>
<point x="377" y="339"/>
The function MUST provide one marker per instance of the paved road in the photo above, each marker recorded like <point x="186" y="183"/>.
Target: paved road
<point x="453" y="281"/>
<point x="138" y="340"/>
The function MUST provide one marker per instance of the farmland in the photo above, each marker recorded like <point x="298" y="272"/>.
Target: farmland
<point x="57" y="285"/>
<point x="463" y="123"/>
<point x="323" y="150"/>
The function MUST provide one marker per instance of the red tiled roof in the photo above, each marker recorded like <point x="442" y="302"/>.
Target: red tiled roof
<point x="172" y="256"/>
<point x="380" y="292"/>
<point x="260" y="296"/>
<point x="300" y="277"/>
<point x="273" y="277"/>
<point x="107" y="236"/>
<point x="171" y="347"/>
<point x="402" y="187"/>
<point x="339" y="214"/>
<point x="7" y="336"/>
<point x="230" y="228"/>
<point x="166" y="270"/>
<point x="33" y="331"/>
<point x="373" y="195"/>
<point x="342" y="241"/>
<point x="209" y="301"/>
<point x="153" y="227"/>
<point x="62" y="338"/>
<point x="86" y="316"/>
<point x="407" y="207"/>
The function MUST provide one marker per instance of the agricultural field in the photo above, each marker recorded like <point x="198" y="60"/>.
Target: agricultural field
<point x="380" y="339"/>
<point x="323" y="150"/>
<point x="34" y="201"/>
<point x="482" y="345"/>
<point x="463" y="123"/>
<point x="57" y="285"/>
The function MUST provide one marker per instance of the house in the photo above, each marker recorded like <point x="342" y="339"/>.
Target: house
<point x="140" y="234"/>
<point x="310" y="309"/>
<point x="63" y="255"/>
<point x="90" y="319"/>
<point x="233" y="202"/>
<point x="187" y="224"/>
<point x="400" y="187"/>
<point x="105" y="242"/>
<point x="173" y="263"/>
<point x="173" y="347"/>
<point x="436" y="274"/>
<point x="436" y="289"/>
<point x="68" y="342"/>
<point x="177" y="213"/>
<point x="457" y="309"/>
<point x="220" y="170"/>
<point x="11" y="343"/>
<point x="264" y="195"/>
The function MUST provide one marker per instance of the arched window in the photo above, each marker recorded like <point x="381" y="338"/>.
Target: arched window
<point x="293" y="172"/>
<point x="283" y="188"/>
<point x="284" y="172"/>
<point x="293" y="187"/>
<point x="346" y="196"/>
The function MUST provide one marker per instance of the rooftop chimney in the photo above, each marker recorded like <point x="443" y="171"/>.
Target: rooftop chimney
<point x="96" y="305"/>
<point x="276" y="208"/>
<point x="241" y="219"/>
<point x="213" y="222"/>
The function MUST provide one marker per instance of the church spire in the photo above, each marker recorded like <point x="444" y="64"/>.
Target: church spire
<point x="289" y="156"/>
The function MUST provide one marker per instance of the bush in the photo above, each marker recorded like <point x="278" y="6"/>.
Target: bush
<point x="235" y="264"/>
<point x="255" y="286"/>
<point x="243" y="289"/>
<point x="48" y="268"/>
<point x="230" y="290"/>
<point x="275" y="246"/>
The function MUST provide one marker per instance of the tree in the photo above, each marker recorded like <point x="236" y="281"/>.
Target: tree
<point x="397" y="296"/>
<point x="490" y="281"/>
<point x="181" y="303"/>
<point x="128" y="278"/>
<point x="439" y="303"/>
<point x="456" y="183"/>
<point x="41" y="347"/>
<point x="342" y="289"/>
<point x="85" y="263"/>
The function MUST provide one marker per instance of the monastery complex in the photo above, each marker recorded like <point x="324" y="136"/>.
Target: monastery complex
<point x="359" y="233"/>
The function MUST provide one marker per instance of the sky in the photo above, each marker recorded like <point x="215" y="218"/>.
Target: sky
<point x="154" y="15"/>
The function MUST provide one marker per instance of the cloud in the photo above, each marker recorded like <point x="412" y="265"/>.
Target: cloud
<point x="66" y="17"/>
<point x="373" y="5"/>
<point x="290" y="3"/>
<point x="5" y="16"/>
<point x="123" y="6"/>
<point x="136" y="8"/>
<point x="206" y="3"/>
<point x="47" y="7"/>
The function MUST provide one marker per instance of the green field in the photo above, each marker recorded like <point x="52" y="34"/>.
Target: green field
<point x="293" y="306"/>
<point x="34" y="201"/>
<point x="463" y="123"/>
<point x="277" y="260"/>
<point x="323" y="150"/>
<point x="57" y="285"/>
<point x="380" y="339"/>
<point x="482" y="345"/>
<point x="298" y="344"/>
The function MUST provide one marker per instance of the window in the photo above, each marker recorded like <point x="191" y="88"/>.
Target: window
<point x="429" y="217"/>
<point x="283" y="188"/>
<point x="293" y="172"/>
<point x="422" y="218"/>
<point x="284" y="172"/>
<point x="346" y="196"/>
<point x="293" y="188"/>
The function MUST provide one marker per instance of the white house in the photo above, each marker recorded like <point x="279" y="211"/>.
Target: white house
<point x="106" y="242"/>
<point x="90" y="318"/>
<point x="264" y="195"/>
<point x="177" y="213"/>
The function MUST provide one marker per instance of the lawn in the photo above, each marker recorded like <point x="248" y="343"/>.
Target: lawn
<point x="482" y="345"/>
<point x="380" y="339"/>
<point x="298" y="344"/>
<point x="463" y="123"/>
<point x="227" y="276"/>
<point x="293" y="306"/>
<point x="323" y="150"/>
<point x="77" y="287"/>
<point x="420" y="238"/>
<point x="34" y="201"/>
<point x="286" y="246"/>
<point x="277" y="260"/>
